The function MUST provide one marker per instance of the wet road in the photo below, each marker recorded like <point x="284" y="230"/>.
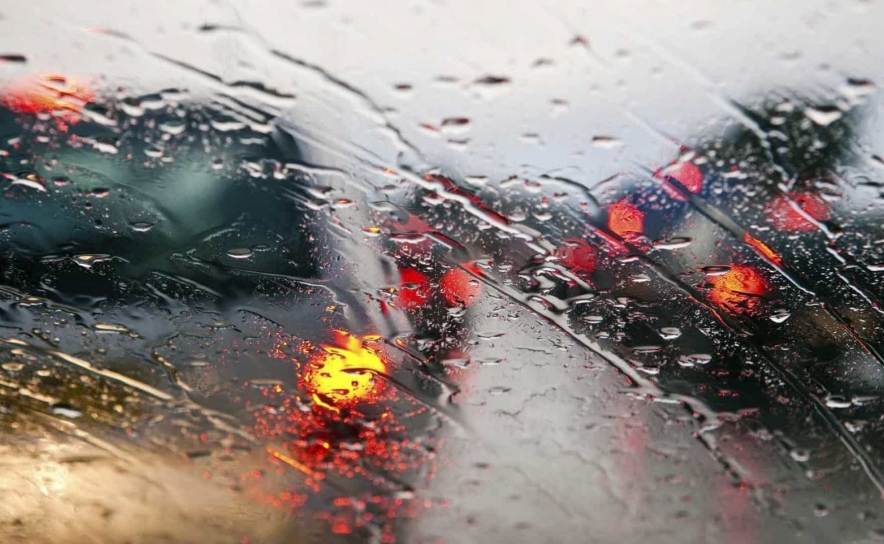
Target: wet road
<point x="441" y="272"/>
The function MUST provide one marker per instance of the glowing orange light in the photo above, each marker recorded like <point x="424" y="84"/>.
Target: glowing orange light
<point x="625" y="219"/>
<point x="686" y="173"/>
<point x="459" y="288"/>
<point x="764" y="249"/>
<point x="577" y="256"/>
<point x="785" y="217"/>
<point x="317" y="442"/>
<point x="345" y="374"/>
<point x="415" y="289"/>
<point x="740" y="290"/>
<point x="48" y="93"/>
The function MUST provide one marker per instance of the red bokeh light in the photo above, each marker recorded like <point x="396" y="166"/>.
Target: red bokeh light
<point x="412" y="236"/>
<point x="577" y="256"/>
<point x="687" y="173"/>
<point x="62" y="96"/>
<point x="414" y="290"/>
<point x="783" y="216"/>
<point x="459" y="288"/>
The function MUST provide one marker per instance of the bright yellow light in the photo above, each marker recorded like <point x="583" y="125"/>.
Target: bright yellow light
<point x="347" y="373"/>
